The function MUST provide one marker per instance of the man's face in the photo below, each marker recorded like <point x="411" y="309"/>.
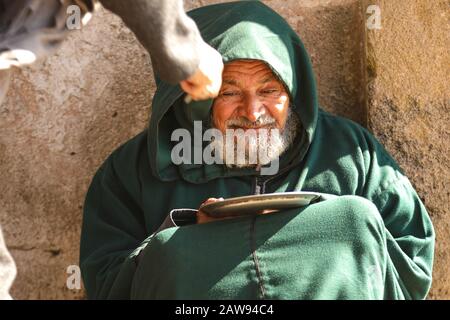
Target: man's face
<point x="252" y="100"/>
<point x="251" y="97"/>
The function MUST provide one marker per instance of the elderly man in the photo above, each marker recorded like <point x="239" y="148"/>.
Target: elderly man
<point x="144" y="237"/>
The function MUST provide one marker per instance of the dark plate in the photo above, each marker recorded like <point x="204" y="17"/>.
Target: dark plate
<point x="257" y="204"/>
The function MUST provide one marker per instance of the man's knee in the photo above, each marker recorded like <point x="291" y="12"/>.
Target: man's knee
<point x="360" y="209"/>
<point x="359" y="218"/>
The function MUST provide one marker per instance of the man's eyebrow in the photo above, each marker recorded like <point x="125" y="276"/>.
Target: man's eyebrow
<point x="267" y="79"/>
<point x="234" y="82"/>
<point x="231" y="82"/>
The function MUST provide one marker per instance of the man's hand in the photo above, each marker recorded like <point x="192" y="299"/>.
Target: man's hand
<point x="203" y="217"/>
<point x="205" y="83"/>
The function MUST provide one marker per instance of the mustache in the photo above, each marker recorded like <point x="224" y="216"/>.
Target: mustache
<point x="264" y="120"/>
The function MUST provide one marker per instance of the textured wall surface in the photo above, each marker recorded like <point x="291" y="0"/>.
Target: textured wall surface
<point x="61" y="119"/>
<point x="409" y="107"/>
<point x="64" y="116"/>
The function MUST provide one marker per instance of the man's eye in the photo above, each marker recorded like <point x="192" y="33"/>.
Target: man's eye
<point x="230" y="93"/>
<point x="270" y="92"/>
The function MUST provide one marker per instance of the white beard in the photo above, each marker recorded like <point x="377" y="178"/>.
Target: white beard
<point x="256" y="147"/>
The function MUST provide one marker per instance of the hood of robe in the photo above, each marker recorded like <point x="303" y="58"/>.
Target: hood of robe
<point x="238" y="30"/>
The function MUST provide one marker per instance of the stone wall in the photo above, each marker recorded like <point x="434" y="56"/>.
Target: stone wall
<point x="65" y="115"/>
<point x="409" y="107"/>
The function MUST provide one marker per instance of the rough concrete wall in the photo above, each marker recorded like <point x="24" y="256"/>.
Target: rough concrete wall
<point x="63" y="117"/>
<point x="409" y="107"/>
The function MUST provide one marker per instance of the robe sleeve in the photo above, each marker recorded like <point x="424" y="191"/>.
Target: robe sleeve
<point x="408" y="227"/>
<point x="114" y="229"/>
<point x="169" y="35"/>
<point x="113" y="233"/>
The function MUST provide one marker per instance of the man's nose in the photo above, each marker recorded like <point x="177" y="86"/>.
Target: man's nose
<point x="254" y="108"/>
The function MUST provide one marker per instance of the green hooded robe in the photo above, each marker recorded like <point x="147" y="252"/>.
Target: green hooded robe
<point x="374" y="240"/>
